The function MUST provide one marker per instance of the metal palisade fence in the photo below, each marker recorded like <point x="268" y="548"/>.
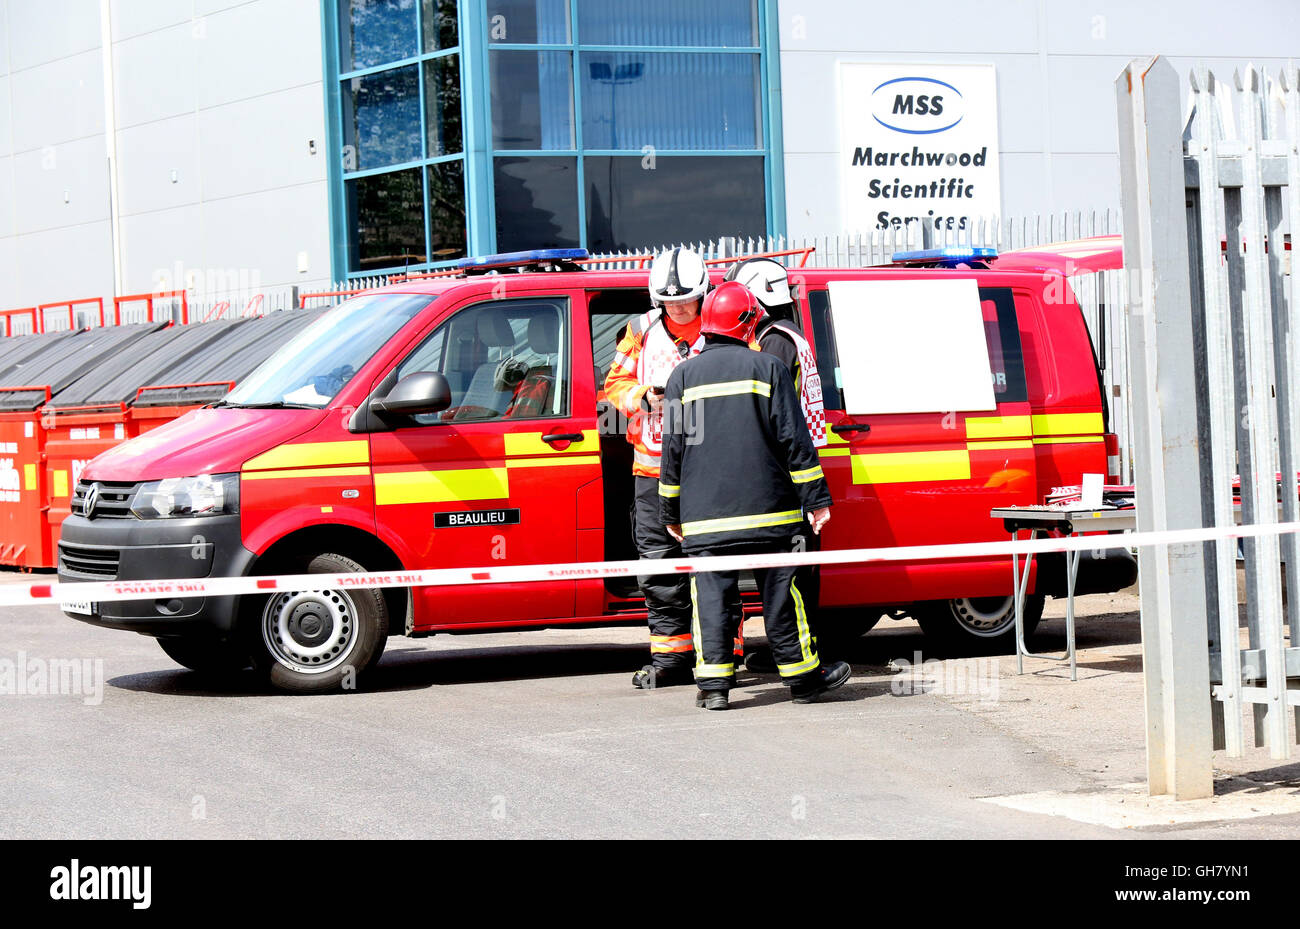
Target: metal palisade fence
<point x="1214" y="324"/>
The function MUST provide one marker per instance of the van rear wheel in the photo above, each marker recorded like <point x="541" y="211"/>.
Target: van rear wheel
<point x="318" y="641"/>
<point x="972" y="625"/>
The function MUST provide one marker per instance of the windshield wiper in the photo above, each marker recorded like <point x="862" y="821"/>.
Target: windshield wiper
<point x="274" y="405"/>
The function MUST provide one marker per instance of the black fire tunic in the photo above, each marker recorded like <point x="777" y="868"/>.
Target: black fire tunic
<point x="739" y="466"/>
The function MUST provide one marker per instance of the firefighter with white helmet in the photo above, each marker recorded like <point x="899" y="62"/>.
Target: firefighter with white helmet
<point x="753" y="426"/>
<point x="651" y="347"/>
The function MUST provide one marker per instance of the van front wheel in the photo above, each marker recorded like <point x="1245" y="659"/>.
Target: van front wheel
<point x="318" y="641"/>
<point x="977" y="624"/>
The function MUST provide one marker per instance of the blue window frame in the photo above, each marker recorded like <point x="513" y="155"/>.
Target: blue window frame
<point x="492" y="125"/>
<point x="393" y="79"/>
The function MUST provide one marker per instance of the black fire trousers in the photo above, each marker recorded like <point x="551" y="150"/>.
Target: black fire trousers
<point x="667" y="596"/>
<point x="715" y="600"/>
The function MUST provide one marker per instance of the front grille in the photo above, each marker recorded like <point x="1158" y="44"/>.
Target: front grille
<point x="112" y="499"/>
<point x="100" y="563"/>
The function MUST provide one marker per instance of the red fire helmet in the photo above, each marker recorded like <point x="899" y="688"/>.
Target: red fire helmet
<point x="730" y="310"/>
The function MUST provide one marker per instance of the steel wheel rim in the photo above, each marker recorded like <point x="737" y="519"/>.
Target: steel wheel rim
<point x="981" y="622"/>
<point x="310" y="631"/>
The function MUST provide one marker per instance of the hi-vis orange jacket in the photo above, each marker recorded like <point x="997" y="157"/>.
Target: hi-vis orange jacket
<point x="645" y="356"/>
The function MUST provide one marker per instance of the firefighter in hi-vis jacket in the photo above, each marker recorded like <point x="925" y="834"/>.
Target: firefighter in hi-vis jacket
<point x="744" y="484"/>
<point x="652" y="346"/>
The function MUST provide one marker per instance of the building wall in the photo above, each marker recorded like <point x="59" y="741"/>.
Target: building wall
<point x="1056" y="66"/>
<point x="217" y="104"/>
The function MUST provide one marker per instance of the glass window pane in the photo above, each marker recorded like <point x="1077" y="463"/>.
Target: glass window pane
<point x="690" y="101"/>
<point x="532" y="100"/>
<point x="536" y="203"/>
<point x="689" y="198"/>
<point x="381" y="119"/>
<point x="440" y="28"/>
<point x="372" y="32"/>
<point x="530" y="22"/>
<point x="386" y="217"/>
<point x="447" y="235"/>
<point x="503" y="360"/>
<point x="442" y="105"/>
<point x="723" y="23"/>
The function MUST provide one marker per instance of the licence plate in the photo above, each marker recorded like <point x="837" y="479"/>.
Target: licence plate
<point x="82" y="607"/>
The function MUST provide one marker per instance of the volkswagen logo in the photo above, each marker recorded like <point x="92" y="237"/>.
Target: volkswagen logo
<point x="88" y="502"/>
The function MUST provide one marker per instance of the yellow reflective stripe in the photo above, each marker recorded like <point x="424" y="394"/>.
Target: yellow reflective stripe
<point x="695" y="623"/>
<point x="834" y="452"/>
<point x="801" y="621"/>
<point x="834" y="438"/>
<point x="1067" y="423"/>
<point x="397" y="487"/>
<point x="909" y="467"/>
<point x="996" y="427"/>
<point x="1068" y="439"/>
<point x="309" y="454"/>
<point x="530" y="443"/>
<point x="998" y="446"/>
<point x="736" y="523"/>
<point x="357" y="471"/>
<point x="515" y="463"/>
<point x="807" y="474"/>
<point x="29" y="476"/>
<point x="670" y="490"/>
<point x="60" y="484"/>
<point x="726" y="389"/>
<point x="714" y="670"/>
<point x="803" y="667"/>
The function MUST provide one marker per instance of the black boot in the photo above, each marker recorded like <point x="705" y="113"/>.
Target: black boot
<point x="826" y="679"/>
<point x="652" y="678"/>
<point x="711" y="699"/>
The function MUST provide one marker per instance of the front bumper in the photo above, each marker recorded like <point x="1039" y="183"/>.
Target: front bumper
<point x="164" y="549"/>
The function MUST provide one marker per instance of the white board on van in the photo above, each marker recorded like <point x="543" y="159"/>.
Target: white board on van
<point x="914" y="346"/>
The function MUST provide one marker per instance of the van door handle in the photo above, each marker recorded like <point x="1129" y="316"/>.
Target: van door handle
<point x="563" y="437"/>
<point x="850" y="427"/>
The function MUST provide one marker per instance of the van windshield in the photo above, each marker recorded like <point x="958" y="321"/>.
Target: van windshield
<point x="312" y="367"/>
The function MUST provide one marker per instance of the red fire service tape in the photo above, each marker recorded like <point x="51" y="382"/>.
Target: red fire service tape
<point x="105" y="591"/>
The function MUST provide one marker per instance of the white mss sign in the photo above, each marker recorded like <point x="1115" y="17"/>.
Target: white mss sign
<point x="918" y="141"/>
<point x="918" y="346"/>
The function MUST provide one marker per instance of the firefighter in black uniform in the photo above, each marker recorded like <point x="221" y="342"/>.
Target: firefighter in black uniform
<point x="778" y="333"/>
<point x="744" y="484"/>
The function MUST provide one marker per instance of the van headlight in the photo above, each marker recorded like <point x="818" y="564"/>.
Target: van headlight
<point x="205" y="495"/>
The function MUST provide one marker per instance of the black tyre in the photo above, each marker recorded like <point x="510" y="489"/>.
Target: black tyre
<point x="974" y="625"/>
<point x="838" y="629"/>
<point x="206" y="656"/>
<point x="317" y="641"/>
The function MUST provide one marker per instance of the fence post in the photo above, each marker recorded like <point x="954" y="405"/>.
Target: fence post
<point x="1171" y="578"/>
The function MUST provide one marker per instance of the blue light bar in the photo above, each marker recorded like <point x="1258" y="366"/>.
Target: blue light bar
<point x="520" y="259"/>
<point x="953" y="254"/>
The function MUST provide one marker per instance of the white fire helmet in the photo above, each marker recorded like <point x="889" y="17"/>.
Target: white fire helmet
<point x="766" y="280"/>
<point x="678" y="275"/>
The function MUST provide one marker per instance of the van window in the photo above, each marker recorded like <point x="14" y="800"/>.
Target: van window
<point x="507" y="359"/>
<point x="1006" y="362"/>
<point x="315" y="364"/>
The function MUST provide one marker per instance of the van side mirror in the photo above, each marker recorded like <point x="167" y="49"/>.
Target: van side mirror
<point x="422" y="392"/>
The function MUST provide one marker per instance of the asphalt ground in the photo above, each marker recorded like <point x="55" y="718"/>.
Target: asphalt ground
<point x="540" y="735"/>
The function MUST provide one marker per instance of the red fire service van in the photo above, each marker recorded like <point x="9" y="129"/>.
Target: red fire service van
<point x="458" y="421"/>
